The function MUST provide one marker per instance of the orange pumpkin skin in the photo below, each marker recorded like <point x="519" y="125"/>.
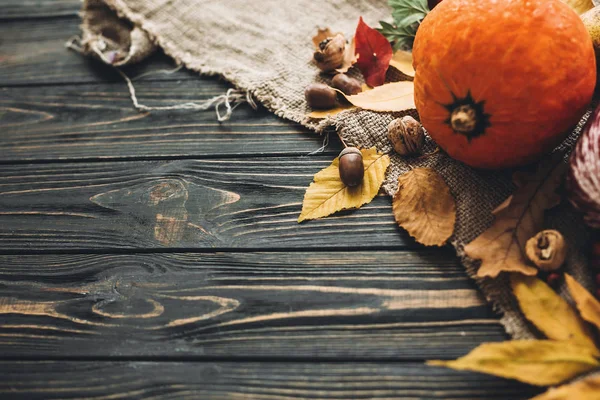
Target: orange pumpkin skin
<point x="525" y="69"/>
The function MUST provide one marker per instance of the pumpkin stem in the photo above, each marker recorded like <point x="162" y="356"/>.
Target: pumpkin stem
<point x="464" y="119"/>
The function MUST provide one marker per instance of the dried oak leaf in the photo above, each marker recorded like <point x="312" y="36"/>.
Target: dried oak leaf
<point x="424" y="206"/>
<point x="587" y="388"/>
<point x="374" y="54"/>
<point x="502" y="246"/>
<point x="588" y="306"/>
<point x="403" y="62"/>
<point x="537" y="362"/>
<point x="580" y="6"/>
<point x="328" y="194"/>
<point x="392" y="97"/>
<point x="549" y="312"/>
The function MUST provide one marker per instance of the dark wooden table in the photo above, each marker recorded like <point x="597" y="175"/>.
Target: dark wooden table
<point x="158" y="255"/>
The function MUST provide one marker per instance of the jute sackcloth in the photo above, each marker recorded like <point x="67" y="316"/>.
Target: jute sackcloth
<point x="265" y="48"/>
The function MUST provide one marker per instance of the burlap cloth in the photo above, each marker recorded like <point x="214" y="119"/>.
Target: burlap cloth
<point x="264" y="48"/>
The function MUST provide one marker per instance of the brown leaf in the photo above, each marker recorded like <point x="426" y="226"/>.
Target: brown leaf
<point x="397" y="96"/>
<point x="585" y="389"/>
<point x="549" y="312"/>
<point x="502" y="246"/>
<point x="537" y="362"/>
<point x="424" y="206"/>
<point x="403" y="62"/>
<point x="328" y="194"/>
<point x="586" y="303"/>
<point x="350" y="57"/>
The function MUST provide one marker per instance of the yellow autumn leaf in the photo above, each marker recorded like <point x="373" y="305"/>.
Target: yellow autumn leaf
<point x="549" y="312"/>
<point x="588" y="306"/>
<point x="322" y="114"/>
<point x="424" y="206"/>
<point x="403" y="62"/>
<point x="328" y="194"/>
<point x="537" y="362"/>
<point x="397" y="96"/>
<point x="585" y="389"/>
<point x="580" y="6"/>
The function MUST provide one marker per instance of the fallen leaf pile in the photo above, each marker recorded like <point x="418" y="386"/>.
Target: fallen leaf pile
<point x="328" y="194"/>
<point x="568" y="352"/>
<point x="372" y="54"/>
<point x="502" y="246"/>
<point x="424" y="206"/>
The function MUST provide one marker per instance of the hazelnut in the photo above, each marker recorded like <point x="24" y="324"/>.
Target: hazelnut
<point x="321" y="96"/>
<point x="406" y="135"/>
<point x="547" y="250"/>
<point x="330" y="54"/>
<point x="352" y="169"/>
<point x="349" y="86"/>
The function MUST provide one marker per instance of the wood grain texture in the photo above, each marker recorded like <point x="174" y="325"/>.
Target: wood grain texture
<point x="200" y="204"/>
<point x="19" y="9"/>
<point x="33" y="53"/>
<point x="301" y="305"/>
<point x="99" y="121"/>
<point x="249" y="381"/>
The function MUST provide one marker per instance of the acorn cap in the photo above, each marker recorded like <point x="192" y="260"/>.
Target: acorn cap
<point x="350" y="150"/>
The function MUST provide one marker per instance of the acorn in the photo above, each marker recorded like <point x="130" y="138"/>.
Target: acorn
<point x="352" y="168"/>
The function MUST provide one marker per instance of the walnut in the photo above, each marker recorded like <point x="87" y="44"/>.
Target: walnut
<point x="547" y="250"/>
<point x="406" y="135"/>
<point x="331" y="52"/>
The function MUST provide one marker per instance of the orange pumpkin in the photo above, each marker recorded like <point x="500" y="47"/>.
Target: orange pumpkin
<point x="499" y="83"/>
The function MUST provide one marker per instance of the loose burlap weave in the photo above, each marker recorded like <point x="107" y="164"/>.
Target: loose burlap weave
<point x="264" y="48"/>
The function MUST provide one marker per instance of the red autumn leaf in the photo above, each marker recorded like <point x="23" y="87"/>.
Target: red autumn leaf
<point x="375" y="53"/>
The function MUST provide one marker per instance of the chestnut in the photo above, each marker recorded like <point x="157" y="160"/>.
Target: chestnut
<point x="320" y="96"/>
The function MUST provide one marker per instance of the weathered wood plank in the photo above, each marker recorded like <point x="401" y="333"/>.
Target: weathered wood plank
<point x="369" y="305"/>
<point x="200" y="204"/>
<point x="99" y="121"/>
<point x="11" y="9"/>
<point x="251" y="381"/>
<point x="33" y="53"/>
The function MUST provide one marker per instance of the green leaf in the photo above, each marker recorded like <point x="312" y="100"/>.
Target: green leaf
<point x="401" y="37"/>
<point x="402" y="9"/>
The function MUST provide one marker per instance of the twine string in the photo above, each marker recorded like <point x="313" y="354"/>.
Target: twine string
<point x="232" y="99"/>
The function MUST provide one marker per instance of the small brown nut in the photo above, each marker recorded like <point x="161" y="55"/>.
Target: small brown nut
<point x="351" y="166"/>
<point x="321" y="96"/>
<point x="406" y="135"/>
<point x="547" y="250"/>
<point x="349" y="86"/>
<point x="330" y="54"/>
